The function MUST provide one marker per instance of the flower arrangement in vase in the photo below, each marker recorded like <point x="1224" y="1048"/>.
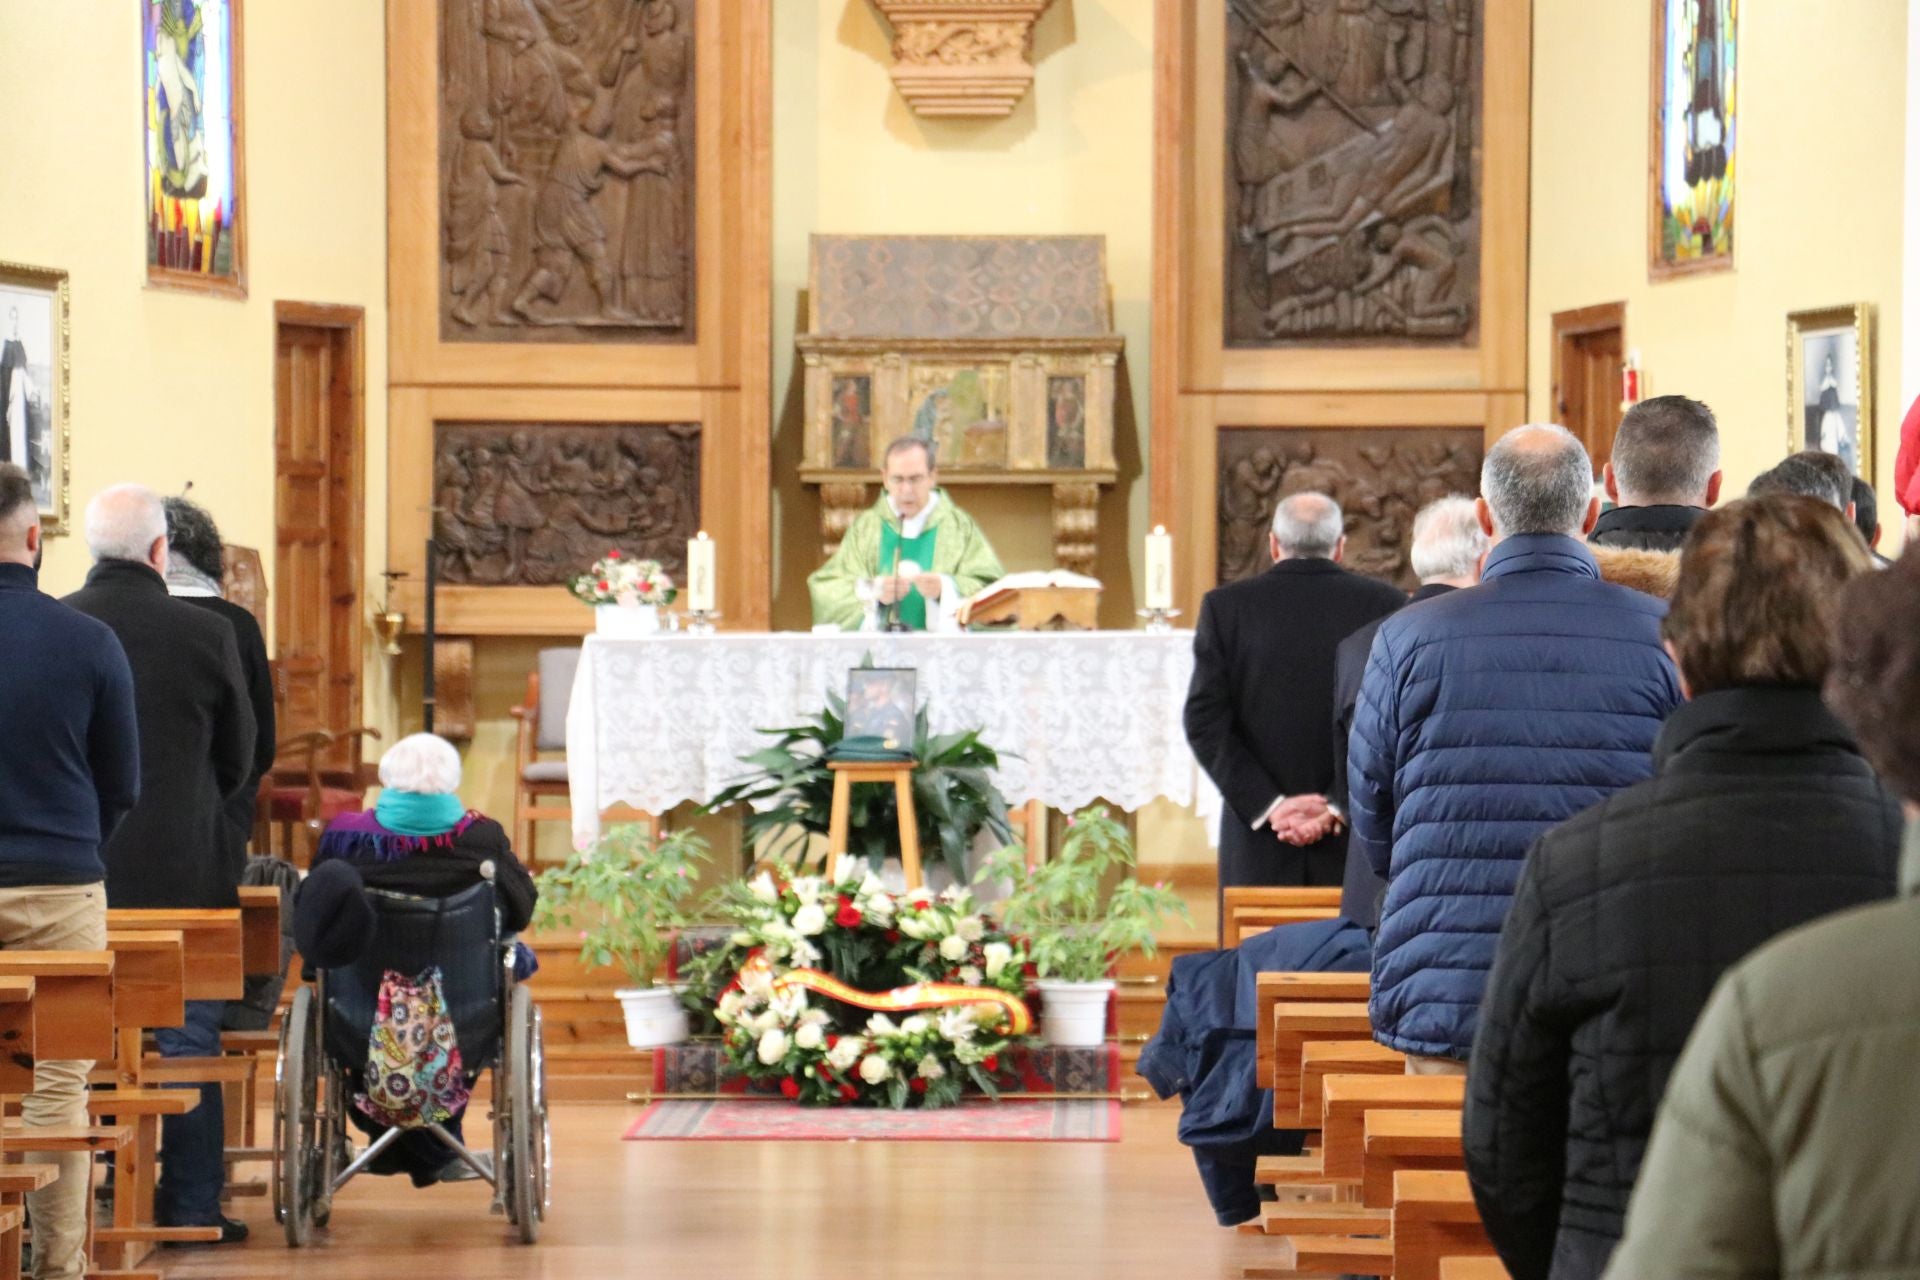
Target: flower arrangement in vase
<point x="1073" y="929"/>
<point x="629" y="896"/>
<point x="626" y="595"/>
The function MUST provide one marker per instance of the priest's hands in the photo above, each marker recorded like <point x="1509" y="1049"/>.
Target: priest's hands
<point x="930" y="585"/>
<point x="1303" y="820"/>
<point x="892" y="590"/>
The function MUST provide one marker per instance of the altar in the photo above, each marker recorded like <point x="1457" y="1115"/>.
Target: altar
<point x="1076" y="717"/>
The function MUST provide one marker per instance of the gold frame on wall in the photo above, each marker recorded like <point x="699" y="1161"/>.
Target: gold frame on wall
<point x="206" y="283"/>
<point x="54" y="519"/>
<point x="1658" y="268"/>
<point x="1856" y="317"/>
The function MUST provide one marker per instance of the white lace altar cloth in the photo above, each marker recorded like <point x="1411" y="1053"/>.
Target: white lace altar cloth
<point x="1076" y="716"/>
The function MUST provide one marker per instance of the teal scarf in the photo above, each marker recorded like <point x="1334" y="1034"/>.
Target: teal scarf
<point x="417" y="813"/>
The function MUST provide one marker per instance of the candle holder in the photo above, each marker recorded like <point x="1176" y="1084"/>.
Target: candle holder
<point x="700" y="621"/>
<point x="1159" y="621"/>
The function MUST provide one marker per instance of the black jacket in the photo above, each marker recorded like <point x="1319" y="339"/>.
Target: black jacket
<point x="1262" y="698"/>
<point x="196" y="743"/>
<point x="1761" y="816"/>
<point x="435" y="867"/>
<point x="70" y="749"/>
<point x="1360" y="886"/>
<point x="1645" y="528"/>
<point x="259" y="677"/>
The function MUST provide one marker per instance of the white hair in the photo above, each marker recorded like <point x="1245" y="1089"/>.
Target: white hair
<point x="422" y="762"/>
<point x="124" y="521"/>
<point x="1447" y="539"/>
<point x="1537" y="479"/>
<point x="1308" y="525"/>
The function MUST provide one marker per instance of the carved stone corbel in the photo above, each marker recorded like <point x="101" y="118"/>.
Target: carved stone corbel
<point x="1076" y="525"/>
<point x="840" y="503"/>
<point x="962" y="57"/>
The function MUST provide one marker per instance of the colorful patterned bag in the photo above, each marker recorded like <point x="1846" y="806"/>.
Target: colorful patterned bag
<point x="413" y="1075"/>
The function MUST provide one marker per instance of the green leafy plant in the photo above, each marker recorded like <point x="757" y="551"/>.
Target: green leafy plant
<point x="1073" y="929"/>
<point x="628" y="895"/>
<point x="791" y="793"/>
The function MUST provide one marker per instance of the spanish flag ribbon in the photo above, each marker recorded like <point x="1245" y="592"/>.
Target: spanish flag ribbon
<point x="907" y="999"/>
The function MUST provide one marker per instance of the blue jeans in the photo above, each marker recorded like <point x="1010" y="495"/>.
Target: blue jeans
<point x="193" y="1169"/>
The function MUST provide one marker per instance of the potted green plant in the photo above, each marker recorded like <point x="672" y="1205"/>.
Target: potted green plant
<point x="790" y="793"/>
<point x="628" y="895"/>
<point x="1074" y="926"/>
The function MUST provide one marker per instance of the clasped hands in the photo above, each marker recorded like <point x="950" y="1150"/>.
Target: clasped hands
<point x="892" y="590"/>
<point x="1303" y="820"/>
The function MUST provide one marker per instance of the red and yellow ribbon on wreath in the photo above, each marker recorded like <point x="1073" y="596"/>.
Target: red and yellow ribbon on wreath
<point x="908" y="999"/>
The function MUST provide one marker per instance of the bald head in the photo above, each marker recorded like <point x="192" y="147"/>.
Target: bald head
<point x="19" y="517"/>
<point x="128" y="522"/>
<point x="1308" y="526"/>
<point x="1537" y="479"/>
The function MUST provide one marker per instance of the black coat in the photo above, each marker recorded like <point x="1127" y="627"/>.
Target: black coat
<point x="436" y="867"/>
<point x="1360" y="886"/>
<point x="1661" y="528"/>
<point x="1761" y="816"/>
<point x="196" y="743"/>
<point x="259" y="677"/>
<point x="1261" y="700"/>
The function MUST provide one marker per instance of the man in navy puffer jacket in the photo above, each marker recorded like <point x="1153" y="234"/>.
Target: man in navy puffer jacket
<point x="1485" y="717"/>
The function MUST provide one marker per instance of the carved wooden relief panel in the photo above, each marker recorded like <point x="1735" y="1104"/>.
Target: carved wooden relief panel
<point x="519" y="504"/>
<point x="1380" y="476"/>
<point x="566" y="170"/>
<point x="1352" y="200"/>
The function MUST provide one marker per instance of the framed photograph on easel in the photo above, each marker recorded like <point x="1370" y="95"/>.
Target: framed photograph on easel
<point x="880" y="705"/>
<point x="1830" y="384"/>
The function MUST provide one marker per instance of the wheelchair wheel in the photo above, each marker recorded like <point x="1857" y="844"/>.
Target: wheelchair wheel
<point x="302" y="1183"/>
<point x="525" y="1129"/>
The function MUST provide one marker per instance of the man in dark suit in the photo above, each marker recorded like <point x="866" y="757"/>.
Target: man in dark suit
<point x="196" y="755"/>
<point x="1262" y="697"/>
<point x="196" y="568"/>
<point x="1448" y="544"/>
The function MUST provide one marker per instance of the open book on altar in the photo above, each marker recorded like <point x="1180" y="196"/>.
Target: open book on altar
<point x="1053" y="600"/>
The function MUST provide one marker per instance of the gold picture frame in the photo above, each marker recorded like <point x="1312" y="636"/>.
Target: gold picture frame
<point x="35" y="327"/>
<point x="1830" y="377"/>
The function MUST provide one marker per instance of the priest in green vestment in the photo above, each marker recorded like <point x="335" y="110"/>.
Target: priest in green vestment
<point x="913" y="552"/>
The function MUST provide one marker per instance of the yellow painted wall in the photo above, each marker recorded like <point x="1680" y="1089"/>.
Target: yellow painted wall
<point x="168" y="387"/>
<point x="1822" y="97"/>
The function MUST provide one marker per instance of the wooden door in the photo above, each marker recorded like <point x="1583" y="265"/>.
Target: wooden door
<point x="1589" y="351"/>
<point x="319" y="453"/>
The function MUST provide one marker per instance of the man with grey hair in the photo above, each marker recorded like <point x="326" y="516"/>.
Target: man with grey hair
<point x="1448" y="545"/>
<point x="69" y="772"/>
<point x="1664" y="474"/>
<point x="1262" y="695"/>
<point x="1811" y="474"/>
<point x="196" y="756"/>
<point x="1486" y="717"/>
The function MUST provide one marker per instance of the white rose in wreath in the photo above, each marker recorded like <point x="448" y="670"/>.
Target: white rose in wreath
<point x="953" y="948"/>
<point x="810" y="1036"/>
<point x="845" y="1052"/>
<point x="875" y="1069"/>
<point x="773" y="1046"/>
<point x="998" y="955"/>
<point x="969" y="975"/>
<point x="972" y="928"/>
<point x="810" y="920"/>
<point x="763" y="889"/>
<point x="930" y="1068"/>
<point x="915" y="1026"/>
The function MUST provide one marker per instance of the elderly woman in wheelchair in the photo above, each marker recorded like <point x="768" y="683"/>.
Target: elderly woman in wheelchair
<point x="406" y="924"/>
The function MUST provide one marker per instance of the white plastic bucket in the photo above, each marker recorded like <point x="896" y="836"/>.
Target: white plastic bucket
<point x="654" y="1016"/>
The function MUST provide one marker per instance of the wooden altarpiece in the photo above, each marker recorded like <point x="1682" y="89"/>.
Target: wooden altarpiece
<point x="998" y="350"/>
<point x="580" y="260"/>
<point x="1340" y="265"/>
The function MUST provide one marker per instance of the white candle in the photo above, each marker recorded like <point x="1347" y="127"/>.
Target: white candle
<point x="1159" y="568"/>
<point x="700" y="573"/>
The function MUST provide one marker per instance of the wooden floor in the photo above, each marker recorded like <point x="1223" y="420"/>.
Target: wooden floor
<point x="850" y="1211"/>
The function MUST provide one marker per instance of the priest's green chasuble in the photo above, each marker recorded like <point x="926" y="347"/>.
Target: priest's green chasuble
<point x="951" y="544"/>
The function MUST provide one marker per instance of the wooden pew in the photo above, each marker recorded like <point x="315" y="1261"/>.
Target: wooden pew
<point x="1397" y="1140"/>
<point x="1270" y="989"/>
<point x="16" y="1034"/>
<point x="215" y="957"/>
<point x="1473" y="1269"/>
<point x="1294" y="1025"/>
<point x="1349" y="1098"/>
<point x="1247" y="910"/>
<point x="72" y="1001"/>
<point x="260" y="928"/>
<point x="1433" y="1218"/>
<point x="1322" y="1058"/>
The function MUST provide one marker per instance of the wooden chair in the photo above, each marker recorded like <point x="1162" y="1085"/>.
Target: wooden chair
<point x="305" y="792"/>
<point x="542" y="788"/>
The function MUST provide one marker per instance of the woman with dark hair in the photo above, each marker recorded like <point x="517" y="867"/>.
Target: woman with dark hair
<point x="1787" y="1141"/>
<point x="1761" y="815"/>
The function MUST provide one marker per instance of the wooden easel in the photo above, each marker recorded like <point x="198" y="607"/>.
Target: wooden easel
<point x="846" y="773"/>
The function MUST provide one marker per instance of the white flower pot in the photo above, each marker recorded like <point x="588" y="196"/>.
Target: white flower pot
<point x="654" y="1016"/>
<point x="1073" y="1015"/>
<point x="626" y="622"/>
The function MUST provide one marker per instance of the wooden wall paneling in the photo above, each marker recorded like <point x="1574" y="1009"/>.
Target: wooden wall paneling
<point x="1172" y="33"/>
<point x="1505" y="187"/>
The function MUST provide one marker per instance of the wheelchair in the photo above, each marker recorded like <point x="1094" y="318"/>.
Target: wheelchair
<point x="323" y="1050"/>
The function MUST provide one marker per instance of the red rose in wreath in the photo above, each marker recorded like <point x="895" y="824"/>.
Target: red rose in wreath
<point x="789" y="1088"/>
<point x="848" y="916"/>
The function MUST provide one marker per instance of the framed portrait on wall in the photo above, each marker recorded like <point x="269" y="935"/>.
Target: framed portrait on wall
<point x="33" y="384"/>
<point x="1692" y="165"/>
<point x="195" y="200"/>
<point x="1830" y="383"/>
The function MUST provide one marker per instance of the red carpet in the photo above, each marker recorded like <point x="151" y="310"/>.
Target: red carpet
<point x="781" y="1121"/>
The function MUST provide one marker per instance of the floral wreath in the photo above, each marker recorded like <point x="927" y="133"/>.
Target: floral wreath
<point x="846" y="993"/>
